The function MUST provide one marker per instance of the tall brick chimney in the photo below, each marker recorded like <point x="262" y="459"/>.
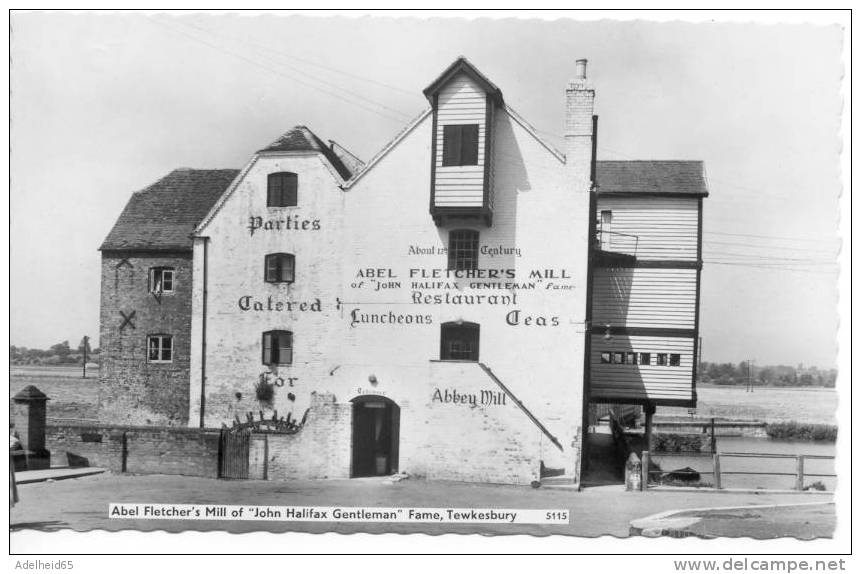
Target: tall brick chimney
<point x="579" y="107"/>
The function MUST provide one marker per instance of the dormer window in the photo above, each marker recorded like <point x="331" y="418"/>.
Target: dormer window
<point x="282" y="190"/>
<point x="460" y="145"/>
<point x="280" y="268"/>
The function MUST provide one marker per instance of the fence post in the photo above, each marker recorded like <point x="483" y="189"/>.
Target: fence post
<point x="124" y="456"/>
<point x="716" y="458"/>
<point x="799" y="472"/>
<point x="714" y="440"/>
<point x="644" y="471"/>
<point x="266" y="457"/>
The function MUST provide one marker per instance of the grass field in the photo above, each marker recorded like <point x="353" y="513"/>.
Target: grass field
<point x="71" y="396"/>
<point x="769" y="404"/>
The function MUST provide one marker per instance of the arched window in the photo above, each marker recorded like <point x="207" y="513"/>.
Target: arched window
<point x="459" y="342"/>
<point x="282" y="189"/>
<point x="280" y="268"/>
<point x="462" y="249"/>
<point x="278" y="348"/>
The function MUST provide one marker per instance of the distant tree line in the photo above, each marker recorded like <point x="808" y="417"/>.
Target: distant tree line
<point x="59" y="354"/>
<point x="765" y="376"/>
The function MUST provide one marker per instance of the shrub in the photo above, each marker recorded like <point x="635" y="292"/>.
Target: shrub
<point x="265" y="392"/>
<point x="674" y="442"/>
<point x="801" y="431"/>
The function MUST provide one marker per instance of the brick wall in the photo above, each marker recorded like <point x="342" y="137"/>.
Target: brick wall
<point x="145" y="450"/>
<point x="131" y="389"/>
<point x="320" y="450"/>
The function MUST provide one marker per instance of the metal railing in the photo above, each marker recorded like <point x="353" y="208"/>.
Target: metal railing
<point x="716" y="471"/>
<point x="616" y="242"/>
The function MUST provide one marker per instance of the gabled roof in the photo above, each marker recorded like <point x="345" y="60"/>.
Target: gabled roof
<point x="652" y="177"/>
<point x="300" y="138"/>
<point x="462" y="65"/>
<point x="162" y="216"/>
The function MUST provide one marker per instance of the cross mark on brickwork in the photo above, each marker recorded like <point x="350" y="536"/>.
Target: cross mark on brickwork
<point x="127" y="320"/>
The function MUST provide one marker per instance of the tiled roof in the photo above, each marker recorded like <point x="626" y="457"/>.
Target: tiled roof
<point x="300" y="138"/>
<point x="646" y="177"/>
<point x="162" y="216"/>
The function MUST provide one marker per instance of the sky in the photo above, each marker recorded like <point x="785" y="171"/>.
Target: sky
<point x="105" y="104"/>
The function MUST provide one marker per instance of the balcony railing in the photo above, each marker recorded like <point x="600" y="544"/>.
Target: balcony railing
<point x="615" y="242"/>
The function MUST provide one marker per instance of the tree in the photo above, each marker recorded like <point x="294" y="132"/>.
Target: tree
<point x="61" y="349"/>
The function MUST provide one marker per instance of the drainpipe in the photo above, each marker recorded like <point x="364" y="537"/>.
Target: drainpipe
<point x="590" y="266"/>
<point x="203" y="336"/>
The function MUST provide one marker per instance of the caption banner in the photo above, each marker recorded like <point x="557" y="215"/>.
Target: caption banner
<point x="139" y="511"/>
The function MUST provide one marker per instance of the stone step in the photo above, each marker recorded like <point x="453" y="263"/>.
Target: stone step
<point x="563" y="479"/>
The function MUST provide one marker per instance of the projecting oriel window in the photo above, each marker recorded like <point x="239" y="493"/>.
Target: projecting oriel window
<point x="161" y="280"/>
<point x="159" y="348"/>
<point x="278" y="348"/>
<point x="462" y="249"/>
<point x="645" y="358"/>
<point x="675" y="360"/>
<point x="459" y="342"/>
<point x="662" y="359"/>
<point x="460" y="145"/>
<point x="280" y="268"/>
<point x="282" y="190"/>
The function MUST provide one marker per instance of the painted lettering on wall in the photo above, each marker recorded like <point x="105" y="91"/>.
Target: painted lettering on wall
<point x="482" y="398"/>
<point x="249" y="303"/>
<point x="357" y="317"/>
<point x="516" y="317"/>
<point x="289" y="223"/>
<point x="274" y="379"/>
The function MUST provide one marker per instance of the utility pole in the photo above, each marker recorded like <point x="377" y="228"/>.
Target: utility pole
<point x="749" y="379"/>
<point x="86" y="343"/>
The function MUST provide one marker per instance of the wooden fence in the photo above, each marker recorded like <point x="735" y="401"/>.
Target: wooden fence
<point x="716" y="457"/>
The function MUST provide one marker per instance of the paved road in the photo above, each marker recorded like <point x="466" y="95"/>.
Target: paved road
<point x="82" y="503"/>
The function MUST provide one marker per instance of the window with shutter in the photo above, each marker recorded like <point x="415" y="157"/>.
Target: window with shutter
<point x="460" y="145"/>
<point x="282" y="190"/>
<point x="280" y="268"/>
<point x="277" y="348"/>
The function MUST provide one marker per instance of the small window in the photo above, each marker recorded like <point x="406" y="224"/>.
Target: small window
<point x="618" y="357"/>
<point x="280" y="268"/>
<point x="161" y="280"/>
<point x="462" y="249"/>
<point x="460" y="145"/>
<point x="277" y="348"/>
<point x="282" y="190"/>
<point x="159" y="348"/>
<point x="675" y="359"/>
<point x="459" y="342"/>
<point x="605" y="231"/>
<point x="662" y="359"/>
<point x="605" y="357"/>
<point x="631" y="358"/>
<point x="645" y="358"/>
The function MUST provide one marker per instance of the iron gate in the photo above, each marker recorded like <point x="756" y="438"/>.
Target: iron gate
<point x="234" y="450"/>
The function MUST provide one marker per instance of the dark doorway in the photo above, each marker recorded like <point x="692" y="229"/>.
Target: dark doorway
<point x="376" y="426"/>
